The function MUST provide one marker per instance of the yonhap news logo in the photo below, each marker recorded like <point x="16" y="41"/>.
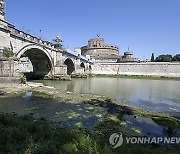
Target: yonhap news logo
<point x="116" y="140"/>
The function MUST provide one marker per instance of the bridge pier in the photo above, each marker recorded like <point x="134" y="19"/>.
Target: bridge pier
<point x="9" y="70"/>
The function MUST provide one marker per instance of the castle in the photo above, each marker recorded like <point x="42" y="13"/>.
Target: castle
<point x="101" y="52"/>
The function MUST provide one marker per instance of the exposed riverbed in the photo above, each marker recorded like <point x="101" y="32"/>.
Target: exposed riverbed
<point x="51" y="109"/>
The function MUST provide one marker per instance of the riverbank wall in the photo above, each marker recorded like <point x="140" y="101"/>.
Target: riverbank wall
<point x="167" y="69"/>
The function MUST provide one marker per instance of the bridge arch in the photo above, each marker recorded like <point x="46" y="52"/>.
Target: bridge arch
<point x="40" y="58"/>
<point x="70" y="66"/>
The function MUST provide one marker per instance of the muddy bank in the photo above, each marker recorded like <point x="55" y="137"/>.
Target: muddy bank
<point x="11" y="89"/>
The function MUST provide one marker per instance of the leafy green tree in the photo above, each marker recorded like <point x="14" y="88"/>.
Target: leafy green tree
<point x="7" y="52"/>
<point x="176" y="57"/>
<point x="152" y="57"/>
<point x="164" y="58"/>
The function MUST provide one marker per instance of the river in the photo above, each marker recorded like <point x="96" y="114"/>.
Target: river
<point x="155" y="95"/>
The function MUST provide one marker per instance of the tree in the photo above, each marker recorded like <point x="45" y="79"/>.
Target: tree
<point x="164" y="58"/>
<point x="152" y="57"/>
<point x="176" y="57"/>
<point x="7" y="52"/>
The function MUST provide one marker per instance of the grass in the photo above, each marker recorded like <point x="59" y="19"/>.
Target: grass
<point x="23" y="79"/>
<point x="24" y="134"/>
<point x="138" y="76"/>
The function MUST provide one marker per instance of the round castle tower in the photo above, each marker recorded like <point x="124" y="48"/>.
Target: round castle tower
<point x="100" y="51"/>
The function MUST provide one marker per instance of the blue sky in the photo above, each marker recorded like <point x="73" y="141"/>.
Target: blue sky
<point x="145" y="26"/>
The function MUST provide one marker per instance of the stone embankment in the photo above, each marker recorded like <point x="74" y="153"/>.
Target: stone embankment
<point x="160" y="69"/>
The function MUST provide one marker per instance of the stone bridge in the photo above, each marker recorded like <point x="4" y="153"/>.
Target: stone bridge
<point x="46" y="58"/>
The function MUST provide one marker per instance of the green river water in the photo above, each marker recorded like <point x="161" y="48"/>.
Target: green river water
<point x="155" y="95"/>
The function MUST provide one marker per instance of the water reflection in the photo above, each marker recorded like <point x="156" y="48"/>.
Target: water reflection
<point x="148" y="128"/>
<point x="159" y="95"/>
<point x="28" y="94"/>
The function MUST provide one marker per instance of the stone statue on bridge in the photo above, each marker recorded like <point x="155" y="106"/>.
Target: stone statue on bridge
<point x="2" y="7"/>
<point x="58" y="42"/>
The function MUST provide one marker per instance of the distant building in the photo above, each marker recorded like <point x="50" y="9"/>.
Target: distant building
<point x="100" y="51"/>
<point x="128" y="57"/>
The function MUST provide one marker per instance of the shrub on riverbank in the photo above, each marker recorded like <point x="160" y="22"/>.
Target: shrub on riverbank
<point x="23" y="79"/>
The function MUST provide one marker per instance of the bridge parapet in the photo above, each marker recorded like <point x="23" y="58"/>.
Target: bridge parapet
<point x="77" y="56"/>
<point x="30" y="38"/>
